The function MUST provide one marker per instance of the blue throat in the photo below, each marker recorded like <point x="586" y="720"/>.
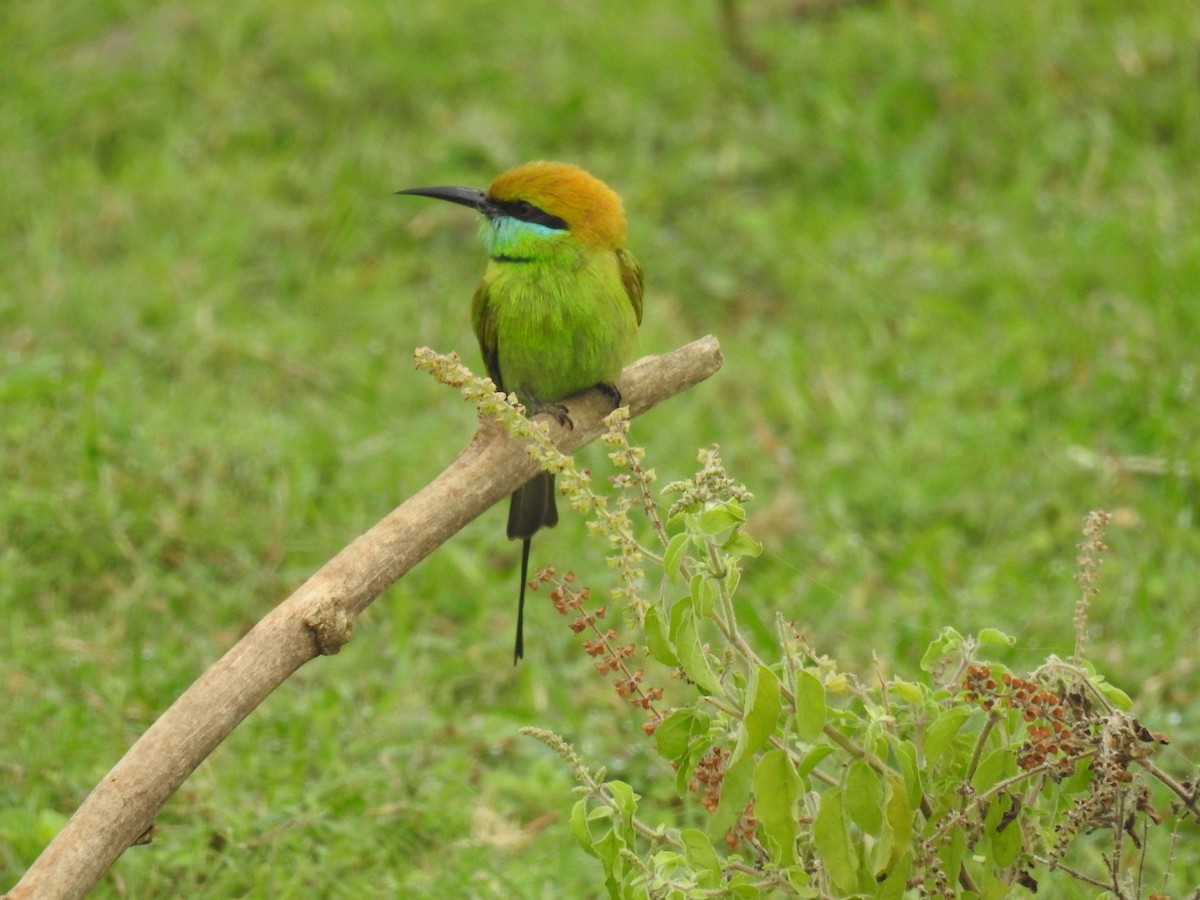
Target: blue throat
<point x="509" y="239"/>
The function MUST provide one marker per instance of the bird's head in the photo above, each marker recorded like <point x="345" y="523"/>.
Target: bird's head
<point x="540" y="205"/>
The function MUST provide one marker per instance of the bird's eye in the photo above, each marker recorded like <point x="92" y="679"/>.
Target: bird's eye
<point x="528" y="212"/>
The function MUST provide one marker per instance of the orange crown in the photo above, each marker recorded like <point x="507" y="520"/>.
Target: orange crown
<point x="591" y="209"/>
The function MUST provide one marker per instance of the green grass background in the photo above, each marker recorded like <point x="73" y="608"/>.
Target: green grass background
<point x="951" y="251"/>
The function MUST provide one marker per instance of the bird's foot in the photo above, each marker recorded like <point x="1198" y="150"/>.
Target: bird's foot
<point x="611" y="391"/>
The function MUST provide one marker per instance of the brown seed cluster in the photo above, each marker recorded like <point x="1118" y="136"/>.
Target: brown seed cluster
<point x="1054" y="735"/>
<point x="602" y="646"/>
<point x="744" y="829"/>
<point x="1069" y="726"/>
<point x="706" y="781"/>
<point x="708" y="777"/>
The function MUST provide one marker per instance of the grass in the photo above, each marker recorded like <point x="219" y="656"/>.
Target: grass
<point x="951" y="251"/>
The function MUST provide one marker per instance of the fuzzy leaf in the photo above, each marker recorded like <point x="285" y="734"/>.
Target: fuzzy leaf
<point x="674" y="733"/>
<point x="624" y="796"/>
<point x="704" y="595"/>
<point x="995" y="636"/>
<point x="608" y="849"/>
<point x="763" y="707"/>
<point x="698" y="851"/>
<point x="810" y="706"/>
<point x="673" y="557"/>
<point x="776" y="787"/>
<point x="951" y="851"/>
<point x="893" y="884"/>
<point x="864" y="797"/>
<point x="681" y="611"/>
<point x="941" y="732"/>
<point x="692" y="658"/>
<point x="996" y="766"/>
<point x="812" y="759"/>
<point x="717" y="519"/>
<point x="741" y="544"/>
<point x="896" y="846"/>
<point x="906" y="754"/>
<point x="1114" y="694"/>
<point x="1006" y="843"/>
<point x="657" y="640"/>
<point x="831" y="834"/>
<point x="907" y="691"/>
<point x="579" y="826"/>
<point x="940" y="647"/>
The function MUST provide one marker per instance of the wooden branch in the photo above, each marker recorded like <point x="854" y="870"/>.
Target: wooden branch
<point x="317" y="619"/>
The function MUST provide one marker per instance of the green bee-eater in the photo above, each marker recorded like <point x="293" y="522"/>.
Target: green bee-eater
<point x="558" y="308"/>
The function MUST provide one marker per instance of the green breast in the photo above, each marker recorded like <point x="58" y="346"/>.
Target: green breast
<point x="561" y="327"/>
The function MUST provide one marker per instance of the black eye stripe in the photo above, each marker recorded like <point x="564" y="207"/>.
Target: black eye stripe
<point x="527" y="212"/>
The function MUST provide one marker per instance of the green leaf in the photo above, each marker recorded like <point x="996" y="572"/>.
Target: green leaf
<point x="893" y="884"/>
<point x="995" y="636"/>
<point x="864" y="797"/>
<point x="687" y="764"/>
<point x="941" y="732"/>
<point x="674" y="733"/>
<point x="776" y="788"/>
<point x="952" y="851"/>
<point x="995" y="767"/>
<point x="698" y="851"/>
<point x="741" y="544"/>
<point x="681" y="611"/>
<point x="813" y="758"/>
<point x="906" y="755"/>
<point x="740" y="885"/>
<point x="673" y="557"/>
<point x="717" y="519"/>
<point x="1006" y="842"/>
<point x="733" y="577"/>
<point x="735" y="791"/>
<point x="1115" y="695"/>
<point x="940" y="647"/>
<point x="907" y="691"/>
<point x="898" y="818"/>
<point x="579" y="826"/>
<point x="608" y="849"/>
<point x="704" y="595"/>
<point x="831" y="834"/>
<point x="801" y="882"/>
<point x="657" y="640"/>
<point x="763" y="706"/>
<point x="810" y="706"/>
<point x="692" y="658"/>
<point x="624" y="796"/>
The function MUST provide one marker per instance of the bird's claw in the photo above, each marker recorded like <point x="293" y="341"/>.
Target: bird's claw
<point x="611" y="391"/>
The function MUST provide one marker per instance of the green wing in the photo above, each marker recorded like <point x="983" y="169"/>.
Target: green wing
<point x="484" y="323"/>
<point x="631" y="277"/>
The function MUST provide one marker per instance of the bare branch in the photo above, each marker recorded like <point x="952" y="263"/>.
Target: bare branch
<point x="317" y="619"/>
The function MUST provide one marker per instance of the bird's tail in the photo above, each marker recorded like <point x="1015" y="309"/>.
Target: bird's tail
<point x="532" y="507"/>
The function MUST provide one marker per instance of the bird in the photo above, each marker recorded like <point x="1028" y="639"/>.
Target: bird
<point x="557" y="310"/>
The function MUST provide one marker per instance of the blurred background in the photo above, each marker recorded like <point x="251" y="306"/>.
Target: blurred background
<point x="951" y="251"/>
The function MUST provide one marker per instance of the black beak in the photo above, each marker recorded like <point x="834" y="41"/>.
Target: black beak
<point x="472" y="197"/>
